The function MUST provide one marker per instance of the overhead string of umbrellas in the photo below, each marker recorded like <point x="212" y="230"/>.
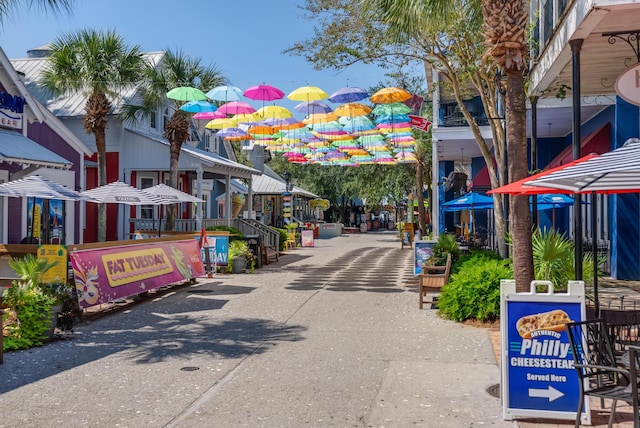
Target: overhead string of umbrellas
<point x="355" y="129"/>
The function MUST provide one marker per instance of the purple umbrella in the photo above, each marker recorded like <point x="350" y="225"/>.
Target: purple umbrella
<point x="313" y="107"/>
<point x="348" y="94"/>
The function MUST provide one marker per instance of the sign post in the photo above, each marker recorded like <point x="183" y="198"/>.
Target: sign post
<point x="538" y="376"/>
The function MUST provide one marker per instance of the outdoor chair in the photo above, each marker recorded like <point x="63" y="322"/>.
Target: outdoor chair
<point x="624" y="329"/>
<point x="598" y="372"/>
<point x="290" y="243"/>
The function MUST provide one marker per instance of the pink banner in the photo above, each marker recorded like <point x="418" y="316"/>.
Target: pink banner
<point x="103" y="275"/>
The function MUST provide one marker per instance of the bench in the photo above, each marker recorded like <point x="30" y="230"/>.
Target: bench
<point x="433" y="278"/>
<point x="269" y="252"/>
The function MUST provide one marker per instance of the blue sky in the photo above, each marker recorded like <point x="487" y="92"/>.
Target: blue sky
<point x="244" y="39"/>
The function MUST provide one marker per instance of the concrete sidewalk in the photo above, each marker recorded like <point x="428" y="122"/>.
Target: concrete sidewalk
<point x="329" y="336"/>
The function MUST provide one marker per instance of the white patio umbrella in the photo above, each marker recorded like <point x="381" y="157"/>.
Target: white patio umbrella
<point x="169" y="195"/>
<point x="36" y="186"/>
<point x="121" y="193"/>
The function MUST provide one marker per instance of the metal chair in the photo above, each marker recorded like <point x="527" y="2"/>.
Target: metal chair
<point x="597" y="369"/>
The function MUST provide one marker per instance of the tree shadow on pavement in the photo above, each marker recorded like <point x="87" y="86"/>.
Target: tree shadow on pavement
<point x="159" y="336"/>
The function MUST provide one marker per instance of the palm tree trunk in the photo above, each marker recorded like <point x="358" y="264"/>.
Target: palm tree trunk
<point x="517" y="160"/>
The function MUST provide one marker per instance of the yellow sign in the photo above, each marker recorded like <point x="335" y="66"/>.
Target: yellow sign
<point x="124" y="268"/>
<point x="54" y="253"/>
<point x="36" y="221"/>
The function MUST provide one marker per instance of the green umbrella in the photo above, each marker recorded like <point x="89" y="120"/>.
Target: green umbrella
<point x="186" y="93"/>
<point x="391" y="109"/>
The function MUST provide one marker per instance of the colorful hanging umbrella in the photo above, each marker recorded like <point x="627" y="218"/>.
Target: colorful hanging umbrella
<point x="221" y="123"/>
<point x="236" y="107"/>
<point x="209" y="115"/>
<point x="274" y="112"/>
<point x="312" y="107"/>
<point x="233" y="133"/>
<point x="391" y="109"/>
<point x="390" y="95"/>
<point x="225" y="93"/>
<point x="307" y="93"/>
<point x="186" y="93"/>
<point x="264" y="93"/>
<point x="284" y="124"/>
<point x="247" y="118"/>
<point x="348" y="94"/>
<point x="198" y="107"/>
<point x="352" y="110"/>
<point x="320" y="118"/>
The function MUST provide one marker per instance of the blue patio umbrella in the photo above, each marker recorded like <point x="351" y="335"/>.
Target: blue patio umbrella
<point x="470" y="201"/>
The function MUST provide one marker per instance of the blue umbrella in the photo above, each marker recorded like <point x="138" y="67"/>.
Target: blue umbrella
<point x="469" y="201"/>
<point x="348" y="94"/>
<point x="225" y="93"/>
<point x="198" y="107"/>
<point x="313" y="107"/>
<point x="549" y="201"/>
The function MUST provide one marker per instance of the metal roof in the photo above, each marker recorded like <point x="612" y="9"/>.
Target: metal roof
<point x="16" y="148"/>
<point x="73" y="104"/>
<point x="267" y="185"/>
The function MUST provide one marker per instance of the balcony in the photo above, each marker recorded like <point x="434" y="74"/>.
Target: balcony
<point x="451" y="116"/>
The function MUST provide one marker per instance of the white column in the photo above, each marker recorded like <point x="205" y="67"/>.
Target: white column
<point x="200" y="208"/>
<point x="435" y="190"/>
<point x="250" y="199"/>
<point x="227" y="199"/>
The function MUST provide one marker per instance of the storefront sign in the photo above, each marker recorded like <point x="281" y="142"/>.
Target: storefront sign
<point x="103" y="275"/>
<point x="538" y="377"/>
<point x="307" y="238"/>
<point x="218" y="249"/>
<point x="11" y="110"/>
<point x="419" y="122"/>
<point x="57" y="254"/>
<point x="423" y="251"/>
<point x="628" y="85"/>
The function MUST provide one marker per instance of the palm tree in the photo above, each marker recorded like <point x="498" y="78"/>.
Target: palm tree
<point x="8" y="7"/>
<point x="102" y="66"/>
<point x="175" y="70"/>
<point x="505" y="26"/>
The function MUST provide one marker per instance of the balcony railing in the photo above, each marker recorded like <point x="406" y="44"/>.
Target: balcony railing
<point x="451" y="116"/>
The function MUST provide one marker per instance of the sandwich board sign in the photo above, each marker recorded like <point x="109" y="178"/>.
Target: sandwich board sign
<point x="538" y="376"/>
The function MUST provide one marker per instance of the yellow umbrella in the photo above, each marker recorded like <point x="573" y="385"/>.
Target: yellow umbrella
<point x="274" y="112"/>
<point x="352" y="110"/>
<point x="307" y="93"/>
<point x="247" y="118"/>
<point x="224" y="122"/>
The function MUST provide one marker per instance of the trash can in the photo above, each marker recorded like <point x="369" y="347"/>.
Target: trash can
<point x="255" y="246"/>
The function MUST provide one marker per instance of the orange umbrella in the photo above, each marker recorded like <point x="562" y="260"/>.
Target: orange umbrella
<point x="352" y="110"/>
<point x="390" y="95"/>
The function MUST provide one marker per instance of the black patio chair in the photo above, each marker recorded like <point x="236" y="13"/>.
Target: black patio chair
<point x="598" y="372"/>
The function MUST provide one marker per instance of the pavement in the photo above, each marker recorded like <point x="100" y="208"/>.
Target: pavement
<point x="328" y="336"/>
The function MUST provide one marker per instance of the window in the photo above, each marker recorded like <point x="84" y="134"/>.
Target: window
<point x="152" y="120"/>
<point x="166" y="115"/>
<point x="147" y="211"/>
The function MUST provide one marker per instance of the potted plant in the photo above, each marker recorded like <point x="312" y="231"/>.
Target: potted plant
<point x="33" y="305"/>
<point x="240" y="257"/>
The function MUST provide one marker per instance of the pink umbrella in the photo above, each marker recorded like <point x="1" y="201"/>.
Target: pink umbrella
<point x="236" y="107"/>
<point x="264" y="93"/>
<point x="209" y="115"/>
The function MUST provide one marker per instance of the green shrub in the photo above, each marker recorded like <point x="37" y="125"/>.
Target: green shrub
<point x="474" y="291"/>
<point x="445" y="245"/>
<point x="282" y="239"/>
<point x="32" y="309"/>
<point x="235" y="234"/>
<point x="477" y="255"/>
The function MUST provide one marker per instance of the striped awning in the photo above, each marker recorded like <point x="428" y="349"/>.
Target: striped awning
<point x="617" y="171"/>
<point x="169" y="195"/>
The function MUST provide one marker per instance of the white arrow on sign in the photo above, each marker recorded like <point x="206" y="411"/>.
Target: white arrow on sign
<point x="551" y="393"/>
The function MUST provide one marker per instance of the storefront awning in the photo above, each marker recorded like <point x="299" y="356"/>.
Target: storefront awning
<point x="16" y="148"/>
